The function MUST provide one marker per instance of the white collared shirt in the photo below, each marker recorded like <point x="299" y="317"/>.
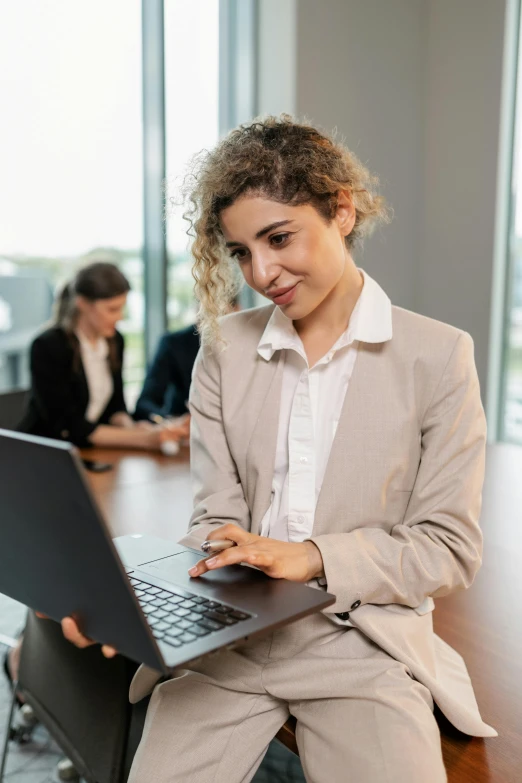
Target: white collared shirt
<point x="311" y="403"/>
<point x="97" y="372"/>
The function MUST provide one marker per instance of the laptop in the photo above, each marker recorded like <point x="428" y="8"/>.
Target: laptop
<point x="57" y="557"/>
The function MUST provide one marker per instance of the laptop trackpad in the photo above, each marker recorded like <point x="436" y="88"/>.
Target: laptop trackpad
<point x="173" y="564"/>
<point x="176" y="567"/>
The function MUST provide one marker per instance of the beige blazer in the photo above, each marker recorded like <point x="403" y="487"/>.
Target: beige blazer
<point x="397" y="516"/>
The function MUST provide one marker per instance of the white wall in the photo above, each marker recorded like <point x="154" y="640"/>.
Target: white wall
<point x="463" y="91"/>
<point x="358" y="70"/>
<point x="414" y="87"/>
<point x="277" y="57"/>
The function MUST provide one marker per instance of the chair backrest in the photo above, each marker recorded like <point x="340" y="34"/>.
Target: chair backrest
<point x="12" y="408"/>
<point x="80" y="697"/>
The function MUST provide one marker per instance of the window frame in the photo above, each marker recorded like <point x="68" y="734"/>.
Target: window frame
<point x="503" y="260"/>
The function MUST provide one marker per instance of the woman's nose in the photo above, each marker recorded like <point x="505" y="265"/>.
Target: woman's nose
<point x="264" y="270"/>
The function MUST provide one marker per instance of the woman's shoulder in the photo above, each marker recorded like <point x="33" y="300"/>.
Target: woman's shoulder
<point x="419" y="332"/>
<point x="245" y="325"/>
<point x="53" y="339"/>
<point x="429" y="346"/>
<point x="239" y="335"/>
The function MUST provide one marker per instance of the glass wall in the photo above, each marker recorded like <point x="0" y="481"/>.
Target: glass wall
<point x="511" y="385"/>
<point x="71" y="163"/>
<point x="71" y="153"/>
<point x="191" y="124"/>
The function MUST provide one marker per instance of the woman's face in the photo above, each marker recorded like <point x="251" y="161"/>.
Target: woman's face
<point x="101" y="316"/>
<point x="290" y="254"/>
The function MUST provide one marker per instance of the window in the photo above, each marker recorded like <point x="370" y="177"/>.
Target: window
<point x="71" y="163"/>
<point x="510" y="419"/>
<point x="191" y="125"/>
<point x="75" y="182"/>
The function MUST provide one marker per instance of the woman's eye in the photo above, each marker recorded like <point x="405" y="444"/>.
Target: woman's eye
<point x="240" y="253"/>
<point x="279" y="239"/>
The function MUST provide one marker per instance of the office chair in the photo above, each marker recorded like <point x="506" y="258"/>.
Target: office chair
<point x="12" y="408"/>
<point x="81" y="698"/>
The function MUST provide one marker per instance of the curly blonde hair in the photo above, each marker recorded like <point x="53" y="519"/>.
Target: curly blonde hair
<point x="280" y="159"/>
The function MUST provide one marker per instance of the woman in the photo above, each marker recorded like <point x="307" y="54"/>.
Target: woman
<point x="336" y="440"/>
<point x="76" y="370"/>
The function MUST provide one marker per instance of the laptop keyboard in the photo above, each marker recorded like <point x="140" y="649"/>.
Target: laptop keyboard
<point x="178" y="617"/>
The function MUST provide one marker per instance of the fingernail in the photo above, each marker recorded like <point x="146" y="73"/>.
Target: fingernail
<point x="211" y="562"/>
<point x="193" y="570"/>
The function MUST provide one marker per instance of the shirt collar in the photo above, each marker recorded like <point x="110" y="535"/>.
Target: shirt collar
<point x="370" y="322"/>
<point x="99" y="349"/>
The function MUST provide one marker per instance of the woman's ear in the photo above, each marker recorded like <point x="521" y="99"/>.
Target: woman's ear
<point x="80" y="304"/>
<point x="345" y="215"/>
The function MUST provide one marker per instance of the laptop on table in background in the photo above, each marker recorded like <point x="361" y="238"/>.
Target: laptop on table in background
<point x="57" y="557"/>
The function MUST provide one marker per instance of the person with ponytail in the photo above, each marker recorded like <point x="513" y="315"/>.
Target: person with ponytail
<point x="76" y="370"/>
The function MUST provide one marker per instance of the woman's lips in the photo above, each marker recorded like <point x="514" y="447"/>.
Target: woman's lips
<point x="285" y="298"/>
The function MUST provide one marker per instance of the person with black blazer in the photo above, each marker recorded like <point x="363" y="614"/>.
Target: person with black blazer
<point x="76" y="370"/>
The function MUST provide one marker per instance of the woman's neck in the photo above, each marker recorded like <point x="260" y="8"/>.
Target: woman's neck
<point x="332" y="316"/>
<point x="87" y="330"/>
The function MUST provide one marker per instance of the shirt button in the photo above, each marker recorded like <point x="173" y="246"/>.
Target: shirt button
<point x="300" y="518"/>
<point x="304" y="460"/>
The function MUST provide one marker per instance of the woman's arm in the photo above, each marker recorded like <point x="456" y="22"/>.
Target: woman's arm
<point x="133" y="437"/>
<point x="438" y="547"/>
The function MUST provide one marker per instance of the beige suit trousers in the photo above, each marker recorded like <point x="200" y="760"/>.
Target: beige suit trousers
<point x="361" y="717"/>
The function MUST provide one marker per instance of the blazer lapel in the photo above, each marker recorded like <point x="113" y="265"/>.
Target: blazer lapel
<point x="350" y="439"/>
<point x="260" y="456"/>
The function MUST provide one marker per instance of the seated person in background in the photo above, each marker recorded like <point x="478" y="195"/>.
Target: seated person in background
<point x="166" y="387"/>
<point x="76" y="370"/>
<point x="167" y="384"/>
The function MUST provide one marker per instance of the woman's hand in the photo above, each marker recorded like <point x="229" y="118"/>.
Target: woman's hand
<point x="279" y="559"/>
<point x="178" y="428"/>
<point x="72" y="633"/>
<point x="122" y="419"/>
<point x="152" y="436"/>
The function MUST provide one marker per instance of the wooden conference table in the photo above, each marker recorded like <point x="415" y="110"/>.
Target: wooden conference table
<point x="151" y="494"/>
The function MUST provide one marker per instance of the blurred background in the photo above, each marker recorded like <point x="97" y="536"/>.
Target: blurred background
<point x="102" y="102"/>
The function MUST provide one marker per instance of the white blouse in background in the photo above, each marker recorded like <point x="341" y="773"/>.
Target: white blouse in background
<point x="95" y="360"/>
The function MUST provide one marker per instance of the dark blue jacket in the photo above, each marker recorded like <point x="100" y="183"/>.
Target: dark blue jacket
<point x="167" y="384"/>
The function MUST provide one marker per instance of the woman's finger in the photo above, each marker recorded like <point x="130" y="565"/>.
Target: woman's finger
<point x="231" y="556"/>
<point x="199" y="568"/>
<point x="72" y="633"/>
<point x="108" y="651"/>
<point x="233" y="533"/>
